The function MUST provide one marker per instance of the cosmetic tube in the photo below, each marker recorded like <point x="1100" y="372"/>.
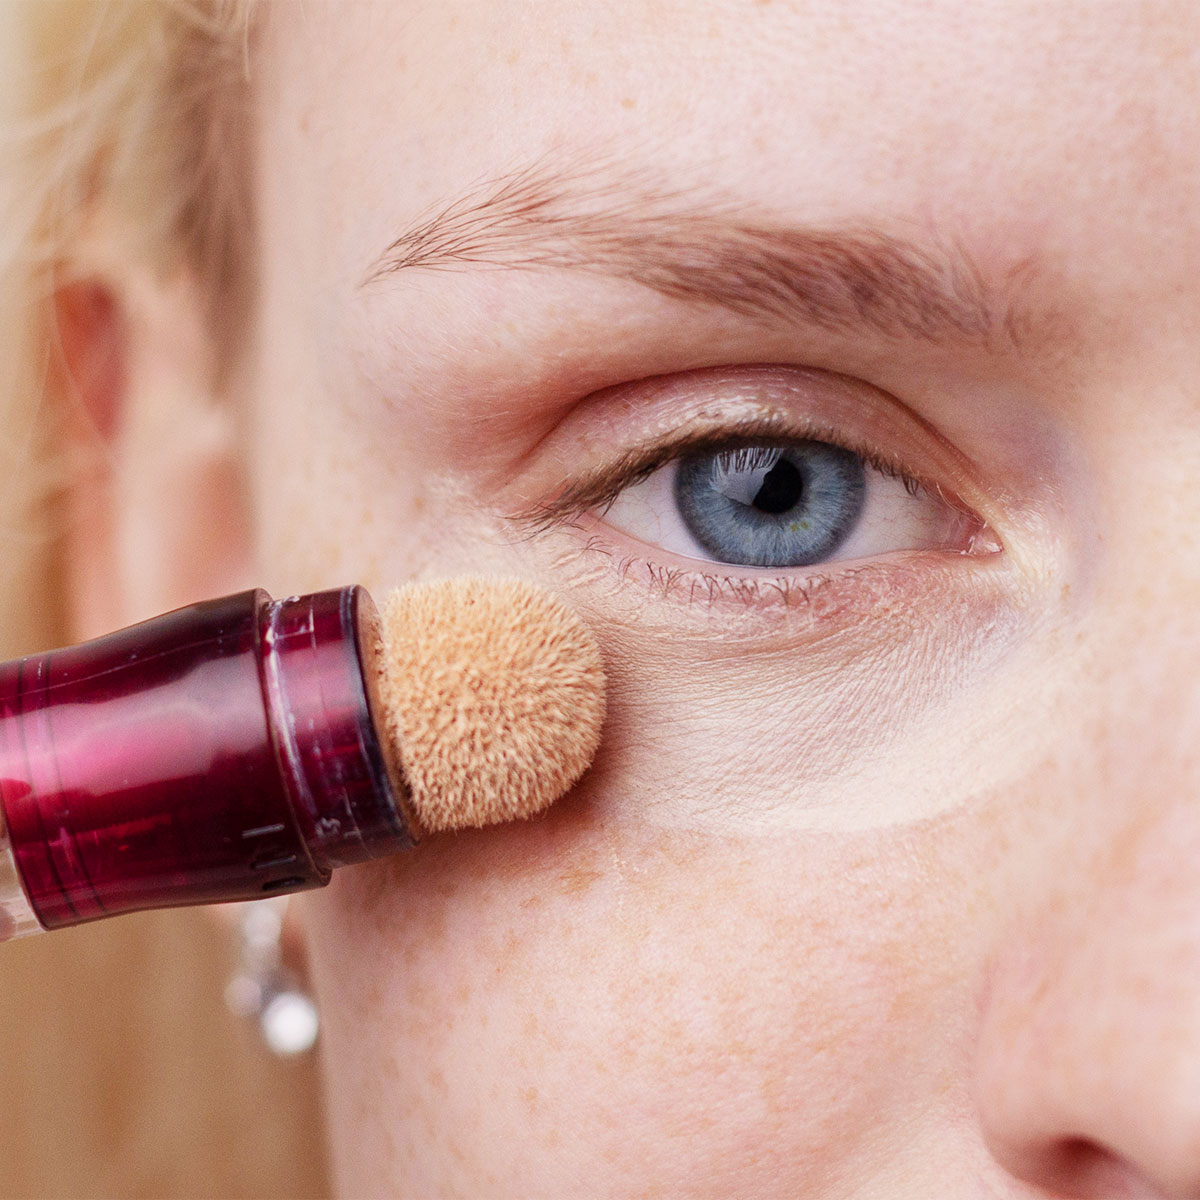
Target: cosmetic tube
<point x="225" y="751"/>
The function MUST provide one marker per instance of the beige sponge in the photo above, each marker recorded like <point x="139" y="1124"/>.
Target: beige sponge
<point x="493" y="693"/>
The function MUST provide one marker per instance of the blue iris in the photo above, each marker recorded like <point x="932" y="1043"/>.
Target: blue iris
<point x="771" y="504"/>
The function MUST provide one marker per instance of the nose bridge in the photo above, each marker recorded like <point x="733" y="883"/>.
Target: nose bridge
<point x="1149" y="699"/>
<point x="1123" y="923"/>
<point x="1148" y="749"/>
<point x="1130" y="900"/>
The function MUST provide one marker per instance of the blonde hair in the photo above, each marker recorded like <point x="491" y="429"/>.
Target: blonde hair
<point x="129" y="112"/>
<point x="130" y="115"/>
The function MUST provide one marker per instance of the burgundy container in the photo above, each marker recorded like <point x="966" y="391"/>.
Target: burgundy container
<point x="225" y="751"/>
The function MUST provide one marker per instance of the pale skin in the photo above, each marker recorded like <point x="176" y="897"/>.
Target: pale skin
<point x="887" y="894"/>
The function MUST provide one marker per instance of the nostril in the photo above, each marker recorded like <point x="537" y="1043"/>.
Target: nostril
<point x="1078" y="1168"/>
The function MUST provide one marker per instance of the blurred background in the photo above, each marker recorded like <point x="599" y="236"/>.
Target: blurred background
<point x="126" y="1076"/>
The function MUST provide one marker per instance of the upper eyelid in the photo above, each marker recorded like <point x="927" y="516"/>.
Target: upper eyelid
<point x="601" y="487"/>
<point x="593" y="489"/>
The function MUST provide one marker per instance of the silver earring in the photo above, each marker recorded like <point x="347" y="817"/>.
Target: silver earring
<point x="263" y="989"/>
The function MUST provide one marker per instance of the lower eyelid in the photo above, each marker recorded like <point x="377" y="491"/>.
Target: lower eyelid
<point x="654" y="595"/>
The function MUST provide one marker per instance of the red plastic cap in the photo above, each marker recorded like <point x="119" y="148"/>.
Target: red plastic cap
<point x="224" y="751"/>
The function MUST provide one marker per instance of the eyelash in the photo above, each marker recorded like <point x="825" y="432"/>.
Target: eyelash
<point x="673" y="583"/>
<point x="599" y="490"/>
<point x="595" y="493"/>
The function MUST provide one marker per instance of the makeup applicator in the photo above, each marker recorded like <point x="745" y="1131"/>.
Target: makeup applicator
<point x="245" y="747"/>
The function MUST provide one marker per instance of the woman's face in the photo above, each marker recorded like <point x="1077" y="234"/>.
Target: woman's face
<point x="884" y="881"/>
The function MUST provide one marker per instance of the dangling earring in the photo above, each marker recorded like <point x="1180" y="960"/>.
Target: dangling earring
<point x="264" y="989"/>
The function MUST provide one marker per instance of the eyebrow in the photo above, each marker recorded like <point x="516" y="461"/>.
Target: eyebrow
<point x="846" y="280"/>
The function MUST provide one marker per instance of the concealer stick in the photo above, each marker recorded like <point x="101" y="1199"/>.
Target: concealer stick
<point x="247" y="747"/>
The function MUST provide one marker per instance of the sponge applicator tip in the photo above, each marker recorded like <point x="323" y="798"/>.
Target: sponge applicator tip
<point x="493" y="695"/>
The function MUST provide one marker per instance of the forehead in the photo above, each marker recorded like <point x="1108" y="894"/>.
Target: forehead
<point x="1008" y="121"/>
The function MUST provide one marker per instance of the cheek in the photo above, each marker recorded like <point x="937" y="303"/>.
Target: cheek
<point x="622" y="1002"/>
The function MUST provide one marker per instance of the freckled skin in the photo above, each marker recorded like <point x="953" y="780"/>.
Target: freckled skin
<point x="712" y="1076"/>
<point x="893" y="895"/>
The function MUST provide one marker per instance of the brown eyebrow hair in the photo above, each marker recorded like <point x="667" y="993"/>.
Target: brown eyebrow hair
<point x="846" y="280"/>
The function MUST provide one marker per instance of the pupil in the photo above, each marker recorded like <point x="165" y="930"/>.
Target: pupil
<point x="782" y="488"/>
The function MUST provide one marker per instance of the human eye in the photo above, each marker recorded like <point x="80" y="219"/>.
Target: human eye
<point x="766" y="480"/>
<point x="785" y="504"/>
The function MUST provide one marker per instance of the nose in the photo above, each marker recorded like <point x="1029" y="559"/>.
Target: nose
<point x="1087" y="1074"/>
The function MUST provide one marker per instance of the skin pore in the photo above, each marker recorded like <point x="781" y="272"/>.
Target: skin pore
<point x="883" y="882"/>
